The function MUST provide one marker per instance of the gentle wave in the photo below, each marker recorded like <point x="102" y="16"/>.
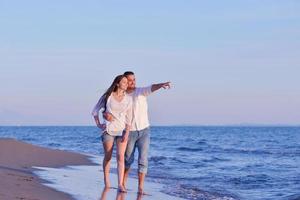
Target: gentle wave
<point x="253" y="163"/>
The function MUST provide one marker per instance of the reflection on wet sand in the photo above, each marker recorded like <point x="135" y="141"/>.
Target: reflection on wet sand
<point x="119" y="195"/>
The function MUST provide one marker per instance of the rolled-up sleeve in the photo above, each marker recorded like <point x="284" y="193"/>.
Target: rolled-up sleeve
<point x="145" y="90"/>
<point x="129" y="113"/>
<point x="98" y="107"/>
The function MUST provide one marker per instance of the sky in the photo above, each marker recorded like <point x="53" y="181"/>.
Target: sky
<point x="230" y="62"/>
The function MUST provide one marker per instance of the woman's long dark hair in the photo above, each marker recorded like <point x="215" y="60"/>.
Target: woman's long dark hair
<point x="111" y="89"/>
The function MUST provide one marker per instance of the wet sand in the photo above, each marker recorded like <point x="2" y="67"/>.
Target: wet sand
<point x="17" y="180"/>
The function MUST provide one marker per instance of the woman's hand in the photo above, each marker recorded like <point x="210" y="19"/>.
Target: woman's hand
<point x="108" y="116"/>
<point x="125" y="136"/>
<point x="98" y="123"/>
<point x="101" y="126"/>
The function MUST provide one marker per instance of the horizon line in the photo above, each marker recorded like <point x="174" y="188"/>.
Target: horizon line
<point x="167" y="125"/>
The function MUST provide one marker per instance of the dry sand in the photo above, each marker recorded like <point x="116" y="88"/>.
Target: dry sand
<point x="17" y="180"/>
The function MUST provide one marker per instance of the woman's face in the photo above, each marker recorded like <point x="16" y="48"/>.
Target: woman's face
<point x="123" y="84"/>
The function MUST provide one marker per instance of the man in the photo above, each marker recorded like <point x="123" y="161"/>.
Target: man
<point x="139" y="136"/>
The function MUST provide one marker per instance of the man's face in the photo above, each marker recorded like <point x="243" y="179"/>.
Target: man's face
<point x="131" y="82"/>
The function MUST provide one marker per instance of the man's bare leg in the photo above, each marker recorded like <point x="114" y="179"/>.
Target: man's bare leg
<point x="141" y="183"/>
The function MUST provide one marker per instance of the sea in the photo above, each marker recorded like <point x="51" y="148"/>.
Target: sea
<point x="198" y="162"/>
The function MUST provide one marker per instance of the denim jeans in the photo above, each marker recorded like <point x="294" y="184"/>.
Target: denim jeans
<point x="107" y="137"/>
<point x="141" y="141"/>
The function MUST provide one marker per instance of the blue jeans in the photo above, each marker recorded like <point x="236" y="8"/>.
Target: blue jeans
<point x="106" y="137"/>
<point x="141" y="140"/>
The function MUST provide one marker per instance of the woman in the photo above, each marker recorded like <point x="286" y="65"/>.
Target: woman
<point x="119" y="104"/>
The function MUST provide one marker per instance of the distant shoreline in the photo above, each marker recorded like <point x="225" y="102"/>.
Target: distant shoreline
<point x="241" y="125"/>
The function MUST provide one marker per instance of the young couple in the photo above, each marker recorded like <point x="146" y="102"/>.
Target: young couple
<point x="125" y="112"/>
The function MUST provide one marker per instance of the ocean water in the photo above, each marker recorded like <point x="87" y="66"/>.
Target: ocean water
<point x="251" y="163"/>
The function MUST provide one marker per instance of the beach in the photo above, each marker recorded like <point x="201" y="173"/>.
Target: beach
<point x="31" y="172"/>
<point x="17" y="179"/>
<point x="199" y="163"/>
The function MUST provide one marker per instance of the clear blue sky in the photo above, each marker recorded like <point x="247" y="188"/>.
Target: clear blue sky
<point x="230" y="62"/>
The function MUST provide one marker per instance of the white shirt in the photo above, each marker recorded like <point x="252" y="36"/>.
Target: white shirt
<point x="121" y="111"/>
<point x="140" y="119"/>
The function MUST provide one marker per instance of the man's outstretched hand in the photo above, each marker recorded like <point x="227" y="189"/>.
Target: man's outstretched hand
<point x="166" y="85"/>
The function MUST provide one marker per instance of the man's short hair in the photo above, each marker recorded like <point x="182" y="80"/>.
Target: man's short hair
<point x="127" y="73"/>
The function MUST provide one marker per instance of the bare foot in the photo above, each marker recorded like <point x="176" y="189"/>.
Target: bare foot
<point x="122" y="189"/>
<point x="141" y="192"/>
<point x="126" y="188"/>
